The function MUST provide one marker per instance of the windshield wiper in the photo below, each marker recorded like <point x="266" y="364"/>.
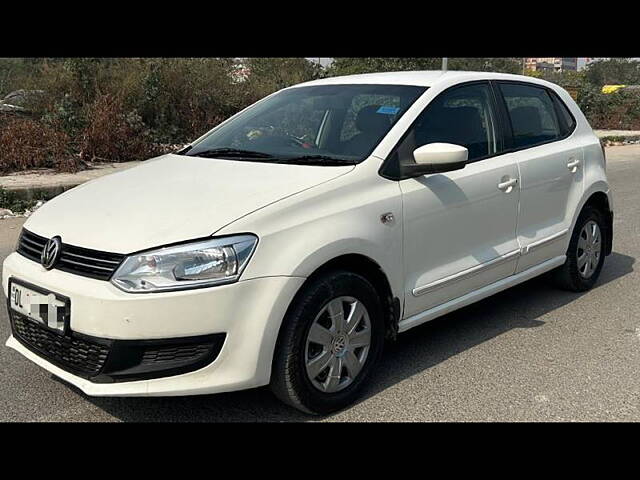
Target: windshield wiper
<point x="230" y="153"/>
<point x="318" y="160"/>
<point x="236" y="153"/>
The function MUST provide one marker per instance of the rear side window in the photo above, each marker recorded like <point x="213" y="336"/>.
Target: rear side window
<point x="532" y="114"/>
<point x="567" y="122"/>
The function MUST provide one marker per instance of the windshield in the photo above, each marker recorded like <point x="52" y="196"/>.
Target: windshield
<point x="321" y="125"/>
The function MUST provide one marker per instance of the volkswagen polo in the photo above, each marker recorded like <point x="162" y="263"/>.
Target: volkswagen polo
<point x="289" y="243"/>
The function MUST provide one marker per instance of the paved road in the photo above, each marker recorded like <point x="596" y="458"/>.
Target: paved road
<point x="531" y="353"/>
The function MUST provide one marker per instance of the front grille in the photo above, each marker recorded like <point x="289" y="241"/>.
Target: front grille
<point x="31" y="245"/>
<point x="103" y="360"/>
<point x="77" y="260"/>
<point x="80" y="356"/>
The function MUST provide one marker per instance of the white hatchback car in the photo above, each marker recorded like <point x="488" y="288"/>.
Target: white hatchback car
<point x="287" y="244"/>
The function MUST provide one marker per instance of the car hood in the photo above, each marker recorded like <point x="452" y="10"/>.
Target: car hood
<point x="170" y="199"/>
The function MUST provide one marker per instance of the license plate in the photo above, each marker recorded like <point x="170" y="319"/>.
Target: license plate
<point x="39" y="305"/>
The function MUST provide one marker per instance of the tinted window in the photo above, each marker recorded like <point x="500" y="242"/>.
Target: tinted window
<point x="567" y="122"/>
<point x="532" y="114"/>
<point x="462" y="116"/>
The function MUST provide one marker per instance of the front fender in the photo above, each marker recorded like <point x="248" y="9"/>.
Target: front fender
<point x="344" y="216"/>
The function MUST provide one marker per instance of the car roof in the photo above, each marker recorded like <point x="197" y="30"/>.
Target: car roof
<point x="424" y="78"/>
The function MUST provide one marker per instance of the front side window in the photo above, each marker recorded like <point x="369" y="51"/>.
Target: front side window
<point x="532" y="114"/>
<point x="324" y="125"/>
<point x="463" y="116"/>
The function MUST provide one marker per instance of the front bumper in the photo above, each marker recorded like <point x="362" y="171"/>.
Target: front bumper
<point x="248" y="313"/>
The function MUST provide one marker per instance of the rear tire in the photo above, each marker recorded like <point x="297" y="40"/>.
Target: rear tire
<point x="329" y="344"/>
<point x="585" y="255"/>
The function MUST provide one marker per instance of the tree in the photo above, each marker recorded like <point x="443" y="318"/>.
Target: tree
<point x="266" y="75"/>
<point x="613" y="71"/>
<point x="482" y="64"/>
<point x="351" y="65"/>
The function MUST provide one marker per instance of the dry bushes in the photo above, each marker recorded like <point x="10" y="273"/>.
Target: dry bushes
<point x="115" y="110"/>
<point x="113" y="135"/>
<point x="26" y="143"/>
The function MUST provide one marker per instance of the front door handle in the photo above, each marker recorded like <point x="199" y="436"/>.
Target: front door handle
<point x="573" y="165"/>
<point x="507" y="185"/>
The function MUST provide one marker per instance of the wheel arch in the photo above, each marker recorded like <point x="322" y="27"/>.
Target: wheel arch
<point x="600" y="199"/>
<point x="373" y="272"/>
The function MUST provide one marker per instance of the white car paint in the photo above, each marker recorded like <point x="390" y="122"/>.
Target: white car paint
<point x="169" y="199"/>
<point x="455" y="237"/>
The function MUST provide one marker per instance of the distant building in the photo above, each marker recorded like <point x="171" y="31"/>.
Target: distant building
<point x="551" y="64"/>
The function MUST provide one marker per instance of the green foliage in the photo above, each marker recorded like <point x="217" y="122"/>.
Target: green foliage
<point x="616" y="111"/>
<point x="613" y="71"/>
<point x="501" y="65"/>
<point x="356" y="65"/>
<point x="123" y="108"/>
<point x="615" y="139"/>
<point x="267" y="75"/>
<point x="11" y="202"/>
<point x="351" y="65"/>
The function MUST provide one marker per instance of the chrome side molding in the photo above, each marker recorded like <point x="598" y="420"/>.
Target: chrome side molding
<point x="457" y="277"/>
<point x="543" y="242"/>
<point x="470" y="272"/>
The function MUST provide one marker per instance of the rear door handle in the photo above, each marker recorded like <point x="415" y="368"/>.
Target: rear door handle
<point x="508" y="185"/>
<point x="573" y="165"/>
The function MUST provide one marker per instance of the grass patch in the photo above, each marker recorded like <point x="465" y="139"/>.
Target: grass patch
<point x="619" y="139"/>
<point x="10" y="201"/>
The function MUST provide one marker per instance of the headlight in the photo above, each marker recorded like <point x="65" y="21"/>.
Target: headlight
<point x="190" y="265"/>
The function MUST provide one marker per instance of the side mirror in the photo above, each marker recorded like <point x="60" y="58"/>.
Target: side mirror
<point x="436" y="158"/>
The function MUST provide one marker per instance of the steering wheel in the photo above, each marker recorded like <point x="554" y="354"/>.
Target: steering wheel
<point x="286" y="139"/>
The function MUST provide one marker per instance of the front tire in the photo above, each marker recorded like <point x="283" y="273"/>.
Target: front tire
<point x="330" y="341"/>
<point x="585" y="255"/>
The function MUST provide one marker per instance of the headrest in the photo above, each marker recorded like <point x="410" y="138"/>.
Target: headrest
<point x="462" y="117"/>
<point x="526" y="121"/>
<point x="368" y="121"/>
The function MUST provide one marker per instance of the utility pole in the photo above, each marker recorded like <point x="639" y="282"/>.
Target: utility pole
<point x="444" y="64"/>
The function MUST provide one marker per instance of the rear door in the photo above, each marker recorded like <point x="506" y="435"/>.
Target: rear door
<point x="550" y="169"/>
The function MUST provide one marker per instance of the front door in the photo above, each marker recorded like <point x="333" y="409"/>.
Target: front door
<point x="460" y="226"/>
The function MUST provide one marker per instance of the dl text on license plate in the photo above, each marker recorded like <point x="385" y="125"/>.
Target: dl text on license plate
<point x="44" y="309"/>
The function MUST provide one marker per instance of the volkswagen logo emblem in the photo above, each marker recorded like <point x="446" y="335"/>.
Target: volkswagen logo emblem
<point x="51" y="253"/>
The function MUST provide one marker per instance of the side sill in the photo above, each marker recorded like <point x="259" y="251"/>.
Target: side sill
<point x="479" y="294"/>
